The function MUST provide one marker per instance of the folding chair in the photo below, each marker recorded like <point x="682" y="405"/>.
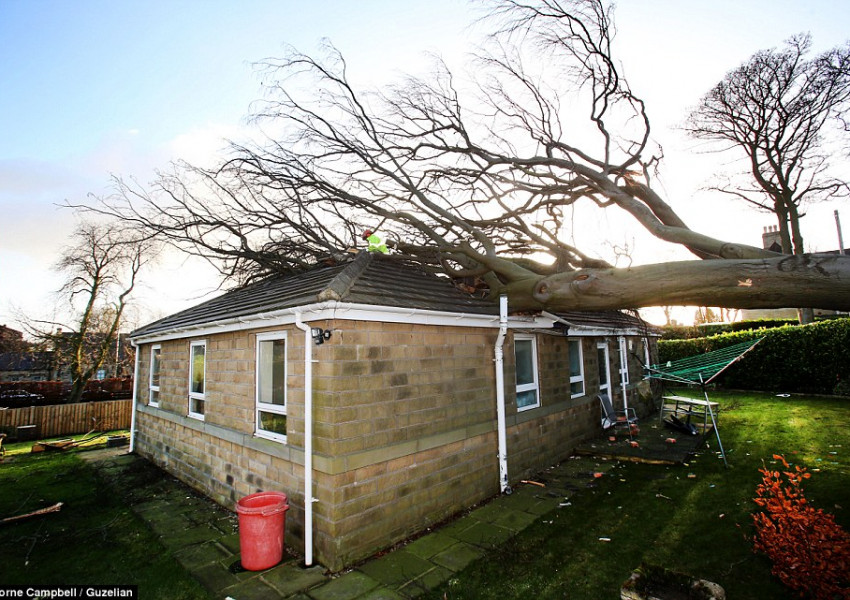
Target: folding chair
<point x="616" y="418"/>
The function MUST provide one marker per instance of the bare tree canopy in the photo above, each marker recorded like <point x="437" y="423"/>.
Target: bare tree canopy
<point x="474" y="177"/>
<point x="101" y="269"/>
<point x="775" y="111"/>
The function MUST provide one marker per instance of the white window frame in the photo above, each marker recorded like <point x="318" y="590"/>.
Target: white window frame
<point x="265" y="406"/>
<point x="534" y="385"/>
<point x="624" y="361"/>
<point x="580" y="377"/>
<point x="156" y="348"/>
<point x="197" y="396"/>
<point x="605" y="367"/>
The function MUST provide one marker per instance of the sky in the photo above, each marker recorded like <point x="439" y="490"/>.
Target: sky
<point x="93" y="89"/>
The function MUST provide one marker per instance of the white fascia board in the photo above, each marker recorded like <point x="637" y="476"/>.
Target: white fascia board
<point x="331" y="310"/>
<point x="585" y="331"/>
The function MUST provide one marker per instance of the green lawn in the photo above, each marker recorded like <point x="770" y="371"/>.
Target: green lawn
<point x="94" y="539"/>
<point x="694" y="519"/>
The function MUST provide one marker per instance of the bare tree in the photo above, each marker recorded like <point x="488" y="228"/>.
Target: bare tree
<point x="101" y="270"/>
<point x="774" y="112"/>
<point x="476" y="178"/>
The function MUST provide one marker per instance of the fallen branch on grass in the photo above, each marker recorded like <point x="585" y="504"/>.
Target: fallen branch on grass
<point x="42" y="511"/>
<point x="537" y="483"/>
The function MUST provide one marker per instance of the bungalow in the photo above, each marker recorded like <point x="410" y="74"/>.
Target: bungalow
<point x="368" y="392"/>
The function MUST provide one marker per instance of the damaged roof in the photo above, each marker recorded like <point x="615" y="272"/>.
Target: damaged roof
<point x="370" y="279"/>
<point x="608" y="319"/>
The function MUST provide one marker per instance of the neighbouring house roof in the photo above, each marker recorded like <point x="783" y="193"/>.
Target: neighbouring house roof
<point x="367" y="279"/>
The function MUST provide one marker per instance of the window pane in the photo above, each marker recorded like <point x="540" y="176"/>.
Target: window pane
<point x="197" y="406"/>
<point x="272" y="372"/>
<point x="272" y="422"/>
<point x="198" y="370"/>
<point x="528" y="398"/>
<point x="154" y="397"/>
<point x="155" y="367"/>
<point x="524" y="362"/>
<point x="577" y="388"/>
<point x="575" y="359"/>
<point x="603" y="367"/>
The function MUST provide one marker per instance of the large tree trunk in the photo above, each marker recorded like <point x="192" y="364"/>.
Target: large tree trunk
<point x="821" y="280"/>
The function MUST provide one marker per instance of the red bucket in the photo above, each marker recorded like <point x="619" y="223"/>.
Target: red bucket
<point x="262" y="517"/>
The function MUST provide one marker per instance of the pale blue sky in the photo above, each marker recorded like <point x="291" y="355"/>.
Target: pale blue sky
<point x="94" y="87"/>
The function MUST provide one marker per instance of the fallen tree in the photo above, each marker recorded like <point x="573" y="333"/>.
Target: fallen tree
<point x="477" y="179"/>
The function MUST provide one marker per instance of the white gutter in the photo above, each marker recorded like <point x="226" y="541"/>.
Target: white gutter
<point x="135" y="393"/>
<point x="308" y="440"/>
<point x="499" y="358"/>
<point x="338" y="310"/>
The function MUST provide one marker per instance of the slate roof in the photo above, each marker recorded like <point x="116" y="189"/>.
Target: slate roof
<point x="608" y="319"/>
<point x="369" y="278"/>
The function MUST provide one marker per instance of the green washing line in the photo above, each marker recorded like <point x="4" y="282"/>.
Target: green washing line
<point x="702" y="368"/>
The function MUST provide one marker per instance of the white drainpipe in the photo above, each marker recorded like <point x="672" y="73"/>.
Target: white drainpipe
<point x="135" y="394"/>
<point x="308" y="440"/>
<point x="499" y="359"/>
<point x="624" y="366"/>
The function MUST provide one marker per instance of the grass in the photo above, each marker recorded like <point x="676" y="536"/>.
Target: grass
<point x="657" y="515"/>
<point x="94" y="539"/>
<point x="694" y="519"/>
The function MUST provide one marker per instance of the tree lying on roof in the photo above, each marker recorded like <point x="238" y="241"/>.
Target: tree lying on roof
<point x="475" y="178"/>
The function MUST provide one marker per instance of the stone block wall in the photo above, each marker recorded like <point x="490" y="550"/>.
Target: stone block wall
<point x="404" y="426"/>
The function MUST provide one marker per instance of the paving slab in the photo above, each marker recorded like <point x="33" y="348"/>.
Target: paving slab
<point x="433" y="578"/>
<point x="396" y="568"/>
<point x="216" y="577"/>
<point x="382" y="593"/>
<point x="230" y="542"/>
<point x="199" y="555"/>
<point x="485" y="535"/>
<point x="252" y="589"/>
<point x="346" y="587"/>
<point x="516" y="520"/>
<point x="458" y="556"/>
<point x="181" y="538"/>
<point x="431" y="544"/>
<point x="289" y="579"/>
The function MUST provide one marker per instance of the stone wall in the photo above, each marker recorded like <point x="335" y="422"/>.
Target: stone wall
<point x="404" y="427"/>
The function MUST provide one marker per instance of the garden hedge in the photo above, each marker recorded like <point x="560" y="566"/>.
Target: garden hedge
<point x="803" y="358"/>
<point x="684" y="332"/>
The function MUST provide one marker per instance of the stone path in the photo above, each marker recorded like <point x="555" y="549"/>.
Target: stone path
<point x="204" y="536"/>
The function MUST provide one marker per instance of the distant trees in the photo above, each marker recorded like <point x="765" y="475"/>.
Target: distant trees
<point x="776" y="112"/>
<point x="101" y="269"/>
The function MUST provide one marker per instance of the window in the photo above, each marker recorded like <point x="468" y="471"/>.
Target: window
<point x="271" y="386"/>
<point x="197" y="379"/>
<point x="603" y="360"/>
<point x="153" y="398"/>
<point x="527" y="389"/>
<point x="576" y="369"/>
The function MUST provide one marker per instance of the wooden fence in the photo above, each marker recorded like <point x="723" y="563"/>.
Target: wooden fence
<point x="67" y="419"/>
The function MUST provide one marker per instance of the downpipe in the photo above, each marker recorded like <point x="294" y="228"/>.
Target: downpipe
<point x="499" y="359"/>
<point x="308" y="440"/>
<point x="135" y="398"/>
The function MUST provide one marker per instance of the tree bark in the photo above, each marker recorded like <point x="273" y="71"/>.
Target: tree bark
<point x="821" y="280"/>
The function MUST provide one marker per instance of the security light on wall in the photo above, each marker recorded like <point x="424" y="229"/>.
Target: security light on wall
<point x="320" y="335"/>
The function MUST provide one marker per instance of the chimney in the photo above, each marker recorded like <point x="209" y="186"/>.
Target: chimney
<point x="770" y="239"/>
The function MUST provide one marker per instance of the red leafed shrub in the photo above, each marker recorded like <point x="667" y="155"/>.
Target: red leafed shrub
<point x="809" y="550"/>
